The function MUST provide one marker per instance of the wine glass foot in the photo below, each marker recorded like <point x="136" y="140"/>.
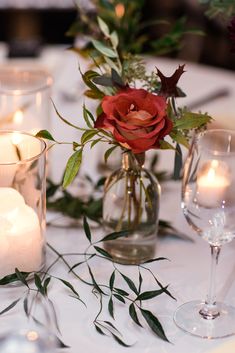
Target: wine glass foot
<point x="188" y="318"/>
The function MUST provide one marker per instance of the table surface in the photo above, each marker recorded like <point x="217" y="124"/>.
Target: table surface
<point x="187" y="272"/>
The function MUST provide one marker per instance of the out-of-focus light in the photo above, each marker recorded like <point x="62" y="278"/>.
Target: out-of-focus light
<point x="119" y="10"/>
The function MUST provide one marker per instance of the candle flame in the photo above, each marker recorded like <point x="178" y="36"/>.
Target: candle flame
<point x="119" y="10"/>
<point x="16" y="138"/>
<point x="211" y="175"/>
<point x="32" y="335"/>
<point x="214" y="163"/>
<point x="18" y="117"/>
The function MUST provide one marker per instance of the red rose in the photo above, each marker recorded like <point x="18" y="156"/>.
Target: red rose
<point x="136" y="118"/>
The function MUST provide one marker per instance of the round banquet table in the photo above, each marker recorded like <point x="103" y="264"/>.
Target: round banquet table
<point x="187" y="272"/>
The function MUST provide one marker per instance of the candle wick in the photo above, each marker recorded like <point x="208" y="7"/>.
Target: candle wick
<point x="18" y="152"/>
<point x="229" y="143"/>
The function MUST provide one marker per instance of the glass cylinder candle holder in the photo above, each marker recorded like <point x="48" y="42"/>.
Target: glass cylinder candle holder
<point x="22" y="202"/>
<point x="24" y="98"/>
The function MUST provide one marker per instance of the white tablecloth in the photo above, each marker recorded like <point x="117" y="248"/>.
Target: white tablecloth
<point x="187" y="272"/>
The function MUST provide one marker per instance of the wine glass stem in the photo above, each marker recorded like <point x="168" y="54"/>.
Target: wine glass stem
<point x="210" y="310"/>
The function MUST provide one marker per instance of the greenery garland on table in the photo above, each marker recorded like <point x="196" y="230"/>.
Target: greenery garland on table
<point x="133" y="299"/>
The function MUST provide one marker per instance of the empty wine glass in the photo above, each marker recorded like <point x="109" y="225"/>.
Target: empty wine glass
<point x="28" y="322"/>
<point x="208" y="203"/>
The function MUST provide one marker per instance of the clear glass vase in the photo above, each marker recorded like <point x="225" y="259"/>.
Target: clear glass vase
<point x="131" y="202"/>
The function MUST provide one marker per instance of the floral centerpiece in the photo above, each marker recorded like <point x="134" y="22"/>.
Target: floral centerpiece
<point x="136" y="112"/>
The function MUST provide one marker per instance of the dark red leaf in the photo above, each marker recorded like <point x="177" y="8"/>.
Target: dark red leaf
<point x="169" y="84"/>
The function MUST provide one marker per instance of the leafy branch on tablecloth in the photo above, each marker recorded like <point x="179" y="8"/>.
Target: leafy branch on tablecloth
<point x="107" y="294"/>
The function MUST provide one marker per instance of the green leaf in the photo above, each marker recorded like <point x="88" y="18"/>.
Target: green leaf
<point x="122" y="292"/>
<point x="140" y="281"/>
<point x="21" y="277"/>
<point x="103" y="26"/>
<point x="98" y="329"/>
<point x="104" y="80"/>
<point x="45" y="135"/>
<point x="117" y="80"/>
<point x="120" y="298"/>
<point x="108" y="153"/>
<point x="12" y="278"/>
<point x="93" y="94"/>
<point x="111" y="325"/>
<point x="78" y="264"/>
<point x="180" y="138"/>
<point x="190" y="121"/>
<point x="87" y="77"/>
<point x="88" y="117"/>
<point x="75" y="145"/>
<point x="130" y="283"/>
<point x="102" y="252"/>
<point x="61" y="343"/>
<point x="87" y="135"/>
<point x="9" y="307"/>
<point x="72" y="167"/>
<point x="133" y="314"/>
<point x="111" y="64"/>
<point x="70" y="286"/>
<point x="94" y="281"/>
<point x="45" y="284"/>
<point x="65" y="120"/>
<point x="87" y="229"/>
<point x="154" y="324"/>
<point x="103" y="49"/>
<point x="114" y="39"/>
<point x="111" y="280"/>
<point x="110" y="307"/>
<point x="54" y="315"/>
<point x="25" y="305"/>
<point x="115" y="235"/>
<point x="178" y="163"/>
<point x="164" y="145"/>
<point x="95" y="142"/>
<point x="156" y="259"/>
<point x="151" y="294"/>
<point x="38" y="283"/>
<point x="118" y="340"/>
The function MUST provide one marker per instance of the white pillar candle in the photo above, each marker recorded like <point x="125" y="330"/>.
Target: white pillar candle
<point x="21" y="241"/>
<point x="212" y="183"/>
<point x="8" y="155"/>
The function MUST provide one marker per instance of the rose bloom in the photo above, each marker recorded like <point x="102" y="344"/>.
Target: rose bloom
<point x="136" y="118"/>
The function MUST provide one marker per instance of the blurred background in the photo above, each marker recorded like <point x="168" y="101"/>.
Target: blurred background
<point x="27" y="25"/>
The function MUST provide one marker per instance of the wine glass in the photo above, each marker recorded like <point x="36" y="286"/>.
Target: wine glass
<point x="28" y="322"/>
<point x="208" y="203"/>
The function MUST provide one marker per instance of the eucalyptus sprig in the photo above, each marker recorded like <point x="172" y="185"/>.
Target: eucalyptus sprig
<point x="119" y="287"/>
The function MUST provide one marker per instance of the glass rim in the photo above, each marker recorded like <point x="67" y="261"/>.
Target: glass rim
<point x="26" y="160"/>
<point x="47" y="79"/>
<point x="211" y="131"/>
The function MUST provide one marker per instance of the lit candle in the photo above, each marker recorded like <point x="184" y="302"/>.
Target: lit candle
<point x="8" y="156"/>
<point x="212" y="183"/>
<point x="15" y="147"/>
<point x="21" y="242"/>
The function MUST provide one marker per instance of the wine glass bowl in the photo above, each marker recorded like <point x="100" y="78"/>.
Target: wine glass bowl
<point x="208" y="203"/>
